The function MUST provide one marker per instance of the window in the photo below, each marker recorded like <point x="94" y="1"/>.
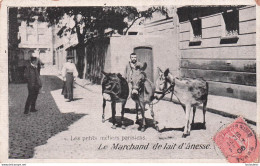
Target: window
<point x="40" y="38"/>
<point x="41" y="30"/>
<point x="29" y="37"/>
<point x="230" y="27"/>
<point x="231" y="23"/>
<point x="196" y="32"/>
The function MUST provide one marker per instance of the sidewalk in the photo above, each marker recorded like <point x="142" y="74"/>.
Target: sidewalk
<point x="225" y="106"/>
<point x="52" y="70"/>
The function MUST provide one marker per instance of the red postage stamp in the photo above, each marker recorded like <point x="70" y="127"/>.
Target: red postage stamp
<point x="238" y="142"/>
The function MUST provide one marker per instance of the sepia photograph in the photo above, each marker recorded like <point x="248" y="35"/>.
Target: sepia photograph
<point x="150" y="82"/>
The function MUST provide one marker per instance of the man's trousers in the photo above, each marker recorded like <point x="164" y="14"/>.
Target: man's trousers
<point x="31" y="99"/>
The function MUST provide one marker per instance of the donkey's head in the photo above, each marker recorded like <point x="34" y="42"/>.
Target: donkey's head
<point x="111" y="83"/>
<point x="164" y="80"/>
<point x="137" y="79"/>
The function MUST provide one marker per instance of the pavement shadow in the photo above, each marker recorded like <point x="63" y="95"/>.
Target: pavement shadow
<point x="128" y="122"/>
<point x="198" y="126"/>
<point x="55" y="82"/>
<point x="194" y="126"/>
<point x="132" y="110"/>
<point x="74" y="99"/>
<point x="34" y="129"/>
<point x="171" y="129"/>
<point x="149" y="123"/>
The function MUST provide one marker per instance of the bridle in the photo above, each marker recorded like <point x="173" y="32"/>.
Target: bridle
<point x="165" y="91"/>
<point x="141" y="84"/>
<point x="114" y="85"/>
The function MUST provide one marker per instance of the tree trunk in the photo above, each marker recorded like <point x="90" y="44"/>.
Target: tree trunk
<point x="13" y="46"/>
<point x="80" y="51"/>
<point x="80" y="64"/>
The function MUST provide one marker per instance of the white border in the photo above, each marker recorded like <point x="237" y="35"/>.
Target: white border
<point x="4" y="68"/>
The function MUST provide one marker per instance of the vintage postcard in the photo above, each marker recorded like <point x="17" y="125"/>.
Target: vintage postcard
<point x="131" y="81"/>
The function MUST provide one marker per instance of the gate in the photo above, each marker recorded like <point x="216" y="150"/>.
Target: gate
<point x="145" y="54"/>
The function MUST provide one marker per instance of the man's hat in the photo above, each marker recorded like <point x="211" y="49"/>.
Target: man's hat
<point x="33" y="58"/>
<point x="70" y="57"/>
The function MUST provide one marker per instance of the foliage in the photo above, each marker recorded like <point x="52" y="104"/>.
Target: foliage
<point x="93" y="19"/>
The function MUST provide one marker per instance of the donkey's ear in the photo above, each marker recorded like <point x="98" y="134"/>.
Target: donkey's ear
<point x="166" y="72"/>
<point x="160" y="72"/>
<point x="104" y="73"/>
<point x="119" y="75"/>
<point x="144" y="66"/>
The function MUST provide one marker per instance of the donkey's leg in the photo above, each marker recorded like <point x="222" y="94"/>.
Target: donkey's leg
<point x="143" y="117"/>
<point x="113" y="106"/>
<point x="187" y="118"/>
<point x="152" y="114"/>
<point x="136" y="107"/>
<point x="204" y="113"/>
<point x="104" y="106"/>
<point x="171" y="95"/>
<point x="122" y="115"/>
<point x="194" y="111"/>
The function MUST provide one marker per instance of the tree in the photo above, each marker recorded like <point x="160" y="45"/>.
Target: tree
<point x="133" y="14"/>
<point x="91" y="19"/>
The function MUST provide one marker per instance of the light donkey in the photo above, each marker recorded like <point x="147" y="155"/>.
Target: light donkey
<point x="189" y="92"/>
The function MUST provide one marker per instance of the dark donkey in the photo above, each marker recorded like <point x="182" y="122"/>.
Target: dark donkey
<point x="142" y="93"/>
<point x="114" y="89"/>
<point x="190" y="93"/>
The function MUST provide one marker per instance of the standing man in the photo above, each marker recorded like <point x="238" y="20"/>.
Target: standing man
<point x="34" y="85"/>
<point x="131" y="66"/>
<point x="128" y="72"/>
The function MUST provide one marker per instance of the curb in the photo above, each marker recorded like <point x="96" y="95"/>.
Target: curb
<point x="215" y="111"/>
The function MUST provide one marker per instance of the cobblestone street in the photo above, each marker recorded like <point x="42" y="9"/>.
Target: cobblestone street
<point x="74" y="130"/>
<point x="28" y="131"/>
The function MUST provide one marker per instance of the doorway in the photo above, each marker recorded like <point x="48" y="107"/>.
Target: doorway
<point x="145" y="54"/>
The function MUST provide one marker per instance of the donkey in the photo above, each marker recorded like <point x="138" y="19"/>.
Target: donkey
<point x="189" y="92"/>
<point x="114" y="89"/>
<point x="142" y="93"/>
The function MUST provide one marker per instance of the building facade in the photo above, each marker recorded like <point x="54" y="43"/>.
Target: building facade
<point x="26" y="40"/>
<point x="35" y="40"/>
<point x="64" y="42"/>
<point x="218" y="44"/>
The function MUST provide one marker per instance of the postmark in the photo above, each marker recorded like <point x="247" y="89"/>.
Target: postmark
<point x="238" y="143"/>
